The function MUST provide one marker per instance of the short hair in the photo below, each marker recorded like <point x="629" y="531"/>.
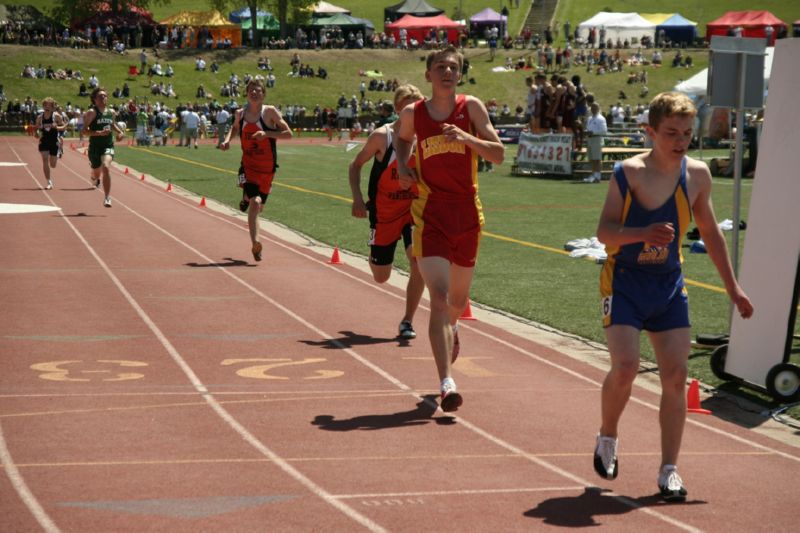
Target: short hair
<point x="49" y="100"/>
<point x="407" y="91"/>
<point x="256" y="81"/>
<point x="446" y="51"/>
<point x="669" y="104"/>
<point x="97" y="91"/>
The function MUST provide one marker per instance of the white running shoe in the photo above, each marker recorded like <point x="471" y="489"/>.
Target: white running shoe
<point x="605" y="457"/>
<point x="670" y="484"/>
<point x="49" y="185"/>
<point x="451" y="400"/>
<point x="107" y="202"/>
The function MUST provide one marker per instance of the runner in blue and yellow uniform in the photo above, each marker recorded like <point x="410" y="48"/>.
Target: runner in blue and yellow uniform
<point x="98" y="123"/>
<point x="651" y="199"/>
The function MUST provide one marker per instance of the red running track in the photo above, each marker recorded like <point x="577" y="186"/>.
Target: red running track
<point x="154" y="378"/>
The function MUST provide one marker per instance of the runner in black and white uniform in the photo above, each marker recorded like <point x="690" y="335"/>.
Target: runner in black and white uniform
<point x="48" y="125"/>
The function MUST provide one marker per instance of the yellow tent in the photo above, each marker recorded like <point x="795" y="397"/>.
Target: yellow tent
<point x="218" y="25"/>
<point x="197" y="18"/>
<point x="656" y="18"/>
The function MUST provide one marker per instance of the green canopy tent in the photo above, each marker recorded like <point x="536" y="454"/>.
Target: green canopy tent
<point x="264" y="22"/>
<point x="267" y="24"/>
<point x="346" y="22"/>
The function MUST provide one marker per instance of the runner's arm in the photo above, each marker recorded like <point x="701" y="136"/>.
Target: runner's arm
<point x="372" y="148"/>
<point x="272" y="116"/>
<point x="233" y="130"/>
<point x="717" y="249"/>
<point x="88" y="117"/>
<point x="403" y="144"/>
<point x="611" y="230"/>
<point x="485" y="143"/>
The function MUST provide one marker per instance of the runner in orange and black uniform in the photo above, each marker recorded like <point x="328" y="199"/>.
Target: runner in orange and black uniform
<point x="389" y="208"/>
<point x="259" y="126"/>
<point x="451" y="132"/>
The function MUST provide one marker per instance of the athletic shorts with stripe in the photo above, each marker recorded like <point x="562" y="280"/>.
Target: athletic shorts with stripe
<point x="447" y="228"/>
<point x="647" y="301"/>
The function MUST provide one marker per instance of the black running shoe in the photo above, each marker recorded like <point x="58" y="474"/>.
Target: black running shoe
<point x="243" y="205"/>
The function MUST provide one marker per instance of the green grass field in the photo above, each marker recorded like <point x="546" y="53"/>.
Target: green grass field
<point x="343" y="67"/>
<point x="521" y="270"/>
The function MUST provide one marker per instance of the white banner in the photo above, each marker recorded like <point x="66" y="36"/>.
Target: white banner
<point x="551" y="153"/>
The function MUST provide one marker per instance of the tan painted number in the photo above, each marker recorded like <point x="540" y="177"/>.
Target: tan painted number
<point x="70" y="370"/>
<point x="262" y="371"/>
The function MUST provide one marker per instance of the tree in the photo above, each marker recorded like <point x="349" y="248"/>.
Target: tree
<point x="65" y="11"/>
<point x="281" y="7"/>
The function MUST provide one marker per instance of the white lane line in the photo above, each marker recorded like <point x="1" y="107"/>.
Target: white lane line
<point x="209" y="398"/>
<point x="22" y="489"/>
<point x="386" y="375"/>
<point x="10" y="468"/>
<point x="462" y="492"/>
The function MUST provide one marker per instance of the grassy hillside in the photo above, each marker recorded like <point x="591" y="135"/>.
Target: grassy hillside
<point x="342" y="65"/>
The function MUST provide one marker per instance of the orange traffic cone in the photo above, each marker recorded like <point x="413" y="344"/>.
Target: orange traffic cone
<point x="127" y="171"/>
<point x="141" y="178"/>
<point x="335" y="257"/>
<point x="693" y="399"/>
<point x="203" y="201"/>
<point x="169" y="187"/>
<point x="467" y="314"/>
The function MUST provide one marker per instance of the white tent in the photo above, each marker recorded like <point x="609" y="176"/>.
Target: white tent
<point x="696" y="85"/>
<point x="618" y="25"/>
<point x="324" y="8"/>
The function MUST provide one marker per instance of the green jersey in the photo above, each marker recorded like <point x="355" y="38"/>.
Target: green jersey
<point x="102" y="121"/>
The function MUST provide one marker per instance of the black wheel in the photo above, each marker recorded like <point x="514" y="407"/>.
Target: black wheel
<point x="718" y="363"/>
<point x="783" y="382"/>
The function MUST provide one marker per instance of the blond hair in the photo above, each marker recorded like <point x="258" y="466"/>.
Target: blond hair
<point x="406" y="91"/>
<point x="446" y="51"/>
<point x="49" y="100"/>
<point x="256" y="81"/>
<point x="670" y="104"/>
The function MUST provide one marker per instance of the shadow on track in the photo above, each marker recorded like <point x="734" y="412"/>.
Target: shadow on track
<point x="229" y="262"/>
<point x="582" y="510"/>
<point x="416" y="417"/>
<point x="349" y="339"/>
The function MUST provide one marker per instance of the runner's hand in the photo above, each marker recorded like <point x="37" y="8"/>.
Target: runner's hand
<point x="225" y="145"/>
<point x="453" y="133"/>
<point x="359" y="209"/>
<point x="407" y="178"/>
<point x="659" y="234"/>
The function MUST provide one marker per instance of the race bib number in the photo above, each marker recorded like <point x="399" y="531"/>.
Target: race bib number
<point x="371" y="240"/>
<point x="606" y="306"/>
<point x="241" y="179"/>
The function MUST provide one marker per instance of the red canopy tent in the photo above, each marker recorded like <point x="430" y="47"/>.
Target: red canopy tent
<point x="419" y="28"/>
<point x="751" y="22"/>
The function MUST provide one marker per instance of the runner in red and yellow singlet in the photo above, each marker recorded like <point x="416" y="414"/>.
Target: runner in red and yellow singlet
<point x="388" y="207"/>
<point x="259" y="126"/>
<point x="451" y="132"/>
